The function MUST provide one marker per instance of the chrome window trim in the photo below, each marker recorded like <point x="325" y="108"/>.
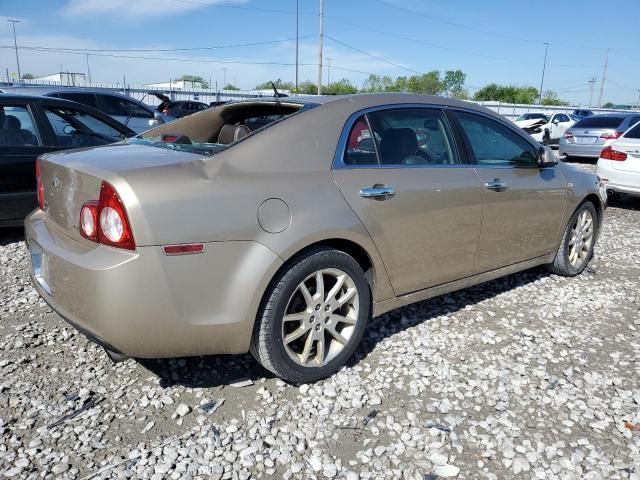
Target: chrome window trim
<point x="338" y="158"/>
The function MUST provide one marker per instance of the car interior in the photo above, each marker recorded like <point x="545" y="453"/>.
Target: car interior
<point x="402" y="138"/>
<point x="12" y="133"/>
<point x="224" y="125"/>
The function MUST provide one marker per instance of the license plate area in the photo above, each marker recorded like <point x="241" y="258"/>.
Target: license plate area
<point x="586" y="140"/>
<point x="40" y="266"/>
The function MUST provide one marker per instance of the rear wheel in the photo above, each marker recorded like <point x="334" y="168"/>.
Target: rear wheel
<point x="578" y="242"/>
<point x="313" y="317"/>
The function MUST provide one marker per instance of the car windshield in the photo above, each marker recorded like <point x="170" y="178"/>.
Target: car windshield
<point x="599" y="122"/>
<point x="532" y="116"/>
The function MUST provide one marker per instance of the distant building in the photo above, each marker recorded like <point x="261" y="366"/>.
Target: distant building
<point x="63" y="78"/>
<point x="176" y="86"/>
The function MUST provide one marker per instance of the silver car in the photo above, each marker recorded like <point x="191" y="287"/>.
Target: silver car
<point x="590" y="135"/>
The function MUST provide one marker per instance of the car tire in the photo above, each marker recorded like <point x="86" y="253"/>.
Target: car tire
<point x="546" y="139"/>
<point x="305" y="348"/>
<point x="576" y="250"/>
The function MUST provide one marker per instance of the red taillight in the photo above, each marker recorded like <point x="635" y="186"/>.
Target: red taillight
<point x="39" y="186"/>
<point x="105" y="221"/>
<point x="568" y="135"/>
<point x="89" y="220"/>
<point x="609" y="153"/>
<point x="611" y="135"/>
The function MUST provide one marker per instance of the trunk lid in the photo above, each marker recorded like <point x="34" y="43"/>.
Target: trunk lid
<point x="74" y="177"/>
<point x="632" y="149"/>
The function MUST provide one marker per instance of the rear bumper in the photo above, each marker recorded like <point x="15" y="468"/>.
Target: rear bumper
<point x="619" y="181"/>
<point x="148" y="305"/>
<point x="579" y="150"/>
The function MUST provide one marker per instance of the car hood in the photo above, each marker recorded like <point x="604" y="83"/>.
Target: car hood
<point x="530" y="123"/>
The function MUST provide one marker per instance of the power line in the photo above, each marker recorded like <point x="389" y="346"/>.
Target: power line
<point x="479" y="30"/>
<point x="158" y="50"/>
<point x="372" y="56"/>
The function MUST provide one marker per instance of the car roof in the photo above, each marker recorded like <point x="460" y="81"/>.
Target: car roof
<point x="43" y="90"/>
<point x="8" y="98"/>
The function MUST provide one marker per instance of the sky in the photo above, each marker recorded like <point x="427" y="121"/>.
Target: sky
<point x="501" y="41"/>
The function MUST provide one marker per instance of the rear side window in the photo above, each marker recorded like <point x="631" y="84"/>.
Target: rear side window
<point x="79" y="129"/>
<point x="404" y="136"/>
<point x="88" y="99"/>
<point x="634" y="132"/>
<point x="599" y="122"/>
<point x="17" y="128"/>
<point x="116" y="106"/>
<point x="494" y="144"/>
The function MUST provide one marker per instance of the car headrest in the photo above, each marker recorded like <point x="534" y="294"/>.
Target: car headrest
<point x="396" y="144"/>
<point x="227" y="134"/>
<point x="240" y="132"/>
<point x="12" y="123"/>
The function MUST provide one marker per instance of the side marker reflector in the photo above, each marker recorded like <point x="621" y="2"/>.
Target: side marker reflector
<point x="185" y="249"/>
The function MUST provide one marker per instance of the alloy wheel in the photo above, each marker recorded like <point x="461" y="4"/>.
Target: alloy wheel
<point x="320" y="317"/>
<point x="581" y="239"/>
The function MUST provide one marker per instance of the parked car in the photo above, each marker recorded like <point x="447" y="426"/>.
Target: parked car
<point x="178" y="108"/>
<point x="590" y="135"/>
<point x="546" y="128"/>
<point x="205" y="237"/>
<point x="619" y="163"/>
<point x="581" y="113"/>
<point x="135" y="114"/>
<point x="31" y="126"/>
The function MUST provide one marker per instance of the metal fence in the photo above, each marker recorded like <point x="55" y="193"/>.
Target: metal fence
<point x="206" y="95"/>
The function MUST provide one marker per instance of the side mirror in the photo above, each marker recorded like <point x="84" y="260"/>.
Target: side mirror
<point x="556" y="121"/>
<point x="546" y="157"/>
<point x="68" y="130"/>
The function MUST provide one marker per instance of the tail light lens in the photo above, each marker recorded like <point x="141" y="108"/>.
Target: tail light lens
<point x="609" y="153"/>
<point x="611" y="135"/>
<point x="568" y="134"/>
<point x="39" y="186"/>
<point x="106" y="221"/>
<point x="89" y="220"/>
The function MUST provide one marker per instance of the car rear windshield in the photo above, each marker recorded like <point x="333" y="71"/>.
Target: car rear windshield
<point x="599" y="122"/>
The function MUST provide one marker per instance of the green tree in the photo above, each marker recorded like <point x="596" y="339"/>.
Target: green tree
<point x="342" y="87"/>
<point x="551" y="98"/>
<point x="507" y="94"/>
<point x="378" y="83"/>
<point x="280" y="85"/>
<point x="608" y="105"/>
<point x="453" y="83"/>
<point x="230" y="86"/>
<point x="28" y="76"/>
<point x="194" y="78"/>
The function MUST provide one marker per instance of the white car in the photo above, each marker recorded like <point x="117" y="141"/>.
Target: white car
<point x="547" y="128"/>
<point x="619" y="164"/>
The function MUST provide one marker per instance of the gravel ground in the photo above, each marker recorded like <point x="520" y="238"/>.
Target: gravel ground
<point x="530" y="376"/>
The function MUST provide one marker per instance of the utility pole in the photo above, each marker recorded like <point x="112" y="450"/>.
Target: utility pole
<point x="320" y="50"/>
<point x="544" y="67"/>
<point x="638" y="104"/>
<point x="88" y="69"/>
<point x="15" y="45"/>
<point x="224" y="77"/>
<point x="328" y="71"/>
<point x="297" y="39"/>
<point x="604" y="77"/>
<point x="592" y="84"/>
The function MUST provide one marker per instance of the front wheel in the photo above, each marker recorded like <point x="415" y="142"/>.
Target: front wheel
<point x="312" y="317"/>
<point x="578" y="242"/>
<point x="546" y="139"/>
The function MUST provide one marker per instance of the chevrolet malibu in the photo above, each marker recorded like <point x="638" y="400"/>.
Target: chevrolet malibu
<point x="282" y="226"/>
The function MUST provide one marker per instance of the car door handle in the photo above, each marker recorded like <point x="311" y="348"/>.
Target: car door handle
<point x="496" y="185"/>
<point x="379" y="192"/>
